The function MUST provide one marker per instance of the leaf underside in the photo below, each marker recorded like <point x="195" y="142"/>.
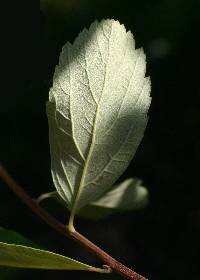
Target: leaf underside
<point x="97" y="111"/>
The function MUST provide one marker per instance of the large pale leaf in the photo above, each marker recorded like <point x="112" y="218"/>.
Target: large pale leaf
<point x="97" y="111"/>
<point x="26" y="257"/>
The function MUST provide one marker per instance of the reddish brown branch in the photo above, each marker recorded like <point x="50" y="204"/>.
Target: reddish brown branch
<point x="38" y="210"/>
<point x="114" y="264"/>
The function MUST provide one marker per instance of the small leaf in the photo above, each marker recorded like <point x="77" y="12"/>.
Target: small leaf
<point x="54" y="195"/>
<point x="128" y="195"/>
<point x="97" y="111"/>
<point x="26" y="257"/>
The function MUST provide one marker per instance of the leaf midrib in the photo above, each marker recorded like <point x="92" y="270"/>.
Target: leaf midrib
<point x="74" y="207"/>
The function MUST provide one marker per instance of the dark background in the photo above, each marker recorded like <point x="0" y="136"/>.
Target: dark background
<point x="163" y="240"/>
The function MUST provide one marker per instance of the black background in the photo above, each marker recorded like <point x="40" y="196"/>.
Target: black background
<point x="163" y="240"/>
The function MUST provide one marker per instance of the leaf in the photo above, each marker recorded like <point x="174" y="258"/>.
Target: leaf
<point x="54" y="195"/>
<point x="97" y="111"/>
<point x="128" y="195"/>
<point x="26" y="257"/>
<point x="10" y="236"/>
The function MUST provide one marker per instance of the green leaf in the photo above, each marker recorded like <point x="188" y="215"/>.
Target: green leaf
<point x="10" y="236"/>
<point x="54" y="195"/>
<point x="26" y="257"/>
<point x="128" y="195"/>
<point x="97" y="111"/>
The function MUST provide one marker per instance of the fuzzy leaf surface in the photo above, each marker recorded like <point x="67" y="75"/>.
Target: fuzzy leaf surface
<point x="97" y="111"/>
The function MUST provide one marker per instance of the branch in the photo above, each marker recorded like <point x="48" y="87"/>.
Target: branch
<point x="38" y="210"/>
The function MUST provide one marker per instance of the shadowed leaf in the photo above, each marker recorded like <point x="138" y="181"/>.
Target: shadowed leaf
<point x="128" y="195"/>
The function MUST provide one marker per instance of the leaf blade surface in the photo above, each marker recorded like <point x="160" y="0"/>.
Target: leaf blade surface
<point x="97" y="111"/>
<point x="27" y="257"/>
